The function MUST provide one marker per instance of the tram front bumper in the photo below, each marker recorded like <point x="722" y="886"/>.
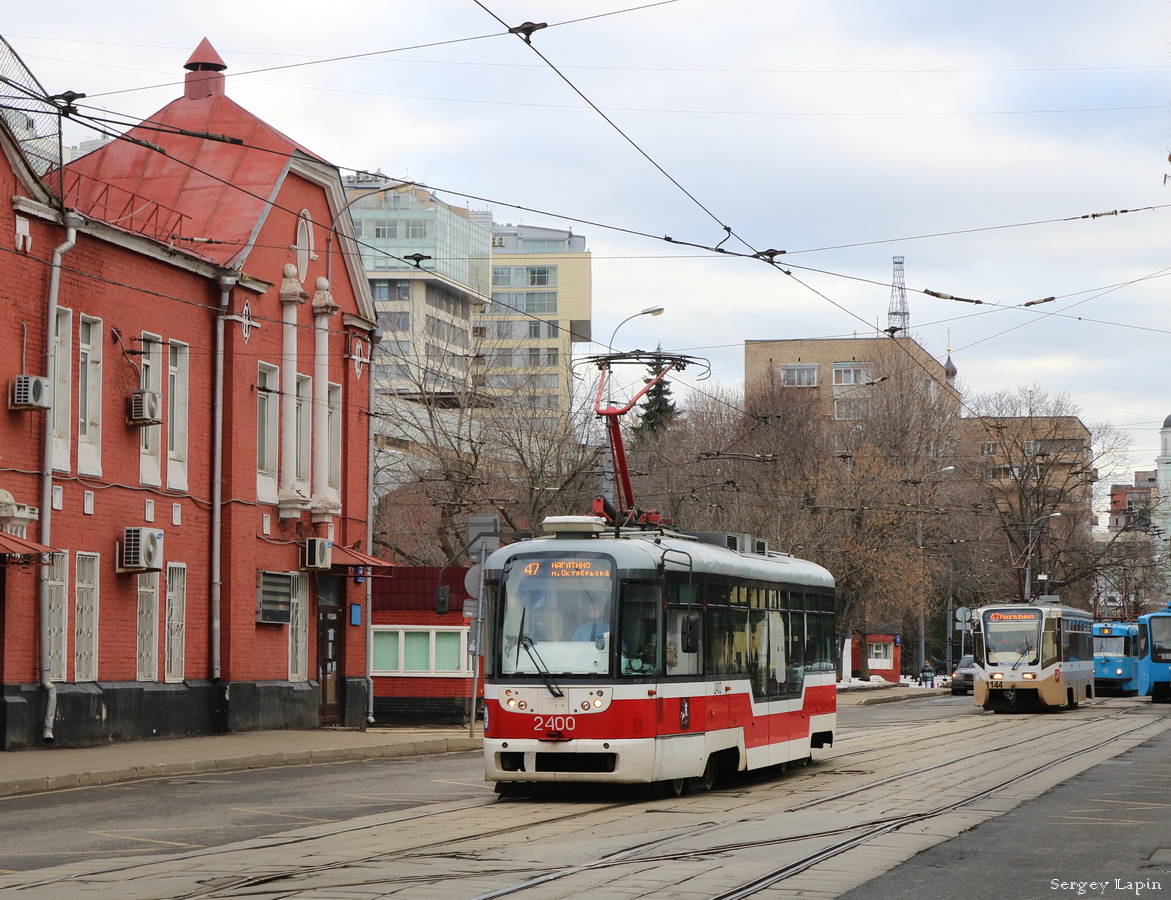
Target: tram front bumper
<point x="639" y="761"/>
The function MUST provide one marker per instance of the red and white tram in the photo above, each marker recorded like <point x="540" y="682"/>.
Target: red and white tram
<point x="645" y="655"/>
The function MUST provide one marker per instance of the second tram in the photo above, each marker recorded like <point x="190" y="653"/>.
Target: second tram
<point x="1154" y="655"/>
<point x="1116" y="658"/>
<point x="646" y="655"/>
<point x="1033" y="656"/>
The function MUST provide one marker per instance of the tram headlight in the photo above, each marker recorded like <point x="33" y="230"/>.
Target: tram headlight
<point x="1028" y="676"/>
<point x="510" y="702"/>
<point x="598" y="703"/>
<point x="522" y="705"/>
<point x="998" y="676"/>
<point x="585" y="705"/>
<point x="1117" y="671"/>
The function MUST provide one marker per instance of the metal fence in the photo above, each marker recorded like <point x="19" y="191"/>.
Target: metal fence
<point x="33" y="118"/>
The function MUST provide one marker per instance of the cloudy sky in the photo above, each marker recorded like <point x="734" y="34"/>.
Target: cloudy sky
<point x="982" y="142"/>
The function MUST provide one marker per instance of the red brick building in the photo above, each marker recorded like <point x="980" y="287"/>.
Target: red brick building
<point x="420" y="660"/>
<point x="884" y="655"/>
<point x="184" y="455"/>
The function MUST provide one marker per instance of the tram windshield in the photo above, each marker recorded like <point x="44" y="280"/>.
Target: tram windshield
<point x="557" y="615"/>
<point x="1160" y="627"/>
<point x="1012" y="636"/>
<point x="1111" y="645"/>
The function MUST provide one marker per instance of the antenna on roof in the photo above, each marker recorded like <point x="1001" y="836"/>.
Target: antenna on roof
<point x="898" y="317"/>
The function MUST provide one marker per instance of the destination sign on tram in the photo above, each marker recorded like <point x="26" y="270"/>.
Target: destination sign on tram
<point x="555" y="568"/>
<point x="1030" y="615"/>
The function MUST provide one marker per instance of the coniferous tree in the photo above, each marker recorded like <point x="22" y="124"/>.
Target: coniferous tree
<point x="657" y="408"/>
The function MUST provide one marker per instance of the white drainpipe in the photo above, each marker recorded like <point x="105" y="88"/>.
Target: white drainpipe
<point x="72" y="221"/>
<point x="375" y="339"/>
<point x="226" y="281"/>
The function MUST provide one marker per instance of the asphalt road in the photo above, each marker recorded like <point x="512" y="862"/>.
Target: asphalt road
<point x="1104" y="833"/>
<point x="122" y="821"/>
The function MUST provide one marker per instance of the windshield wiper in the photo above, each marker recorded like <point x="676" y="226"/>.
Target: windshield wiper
<point x="1024" y="653"/>
<point x="527" y="642"/>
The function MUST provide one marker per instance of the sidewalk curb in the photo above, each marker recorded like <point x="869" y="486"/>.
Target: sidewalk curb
<point x="422" y="747"/>
<point x="925" y="692"/>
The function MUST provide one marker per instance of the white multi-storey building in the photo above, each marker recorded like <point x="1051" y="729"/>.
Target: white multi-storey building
<point x="541" y="306"/>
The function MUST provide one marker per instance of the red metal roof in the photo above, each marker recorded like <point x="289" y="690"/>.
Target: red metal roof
<point x="198" y="186"/>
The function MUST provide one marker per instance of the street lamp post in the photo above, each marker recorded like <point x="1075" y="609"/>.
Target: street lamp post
<point x="919" y="545"/>
<point x="609" y="488"/>
<point x="1026" y="587"/>
<point x="649" y="311"/>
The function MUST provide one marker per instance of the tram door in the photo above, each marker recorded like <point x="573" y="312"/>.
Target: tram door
<point x="329" y="633"/>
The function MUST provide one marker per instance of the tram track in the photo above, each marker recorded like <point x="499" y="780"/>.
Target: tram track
<point x="480" y="853"/>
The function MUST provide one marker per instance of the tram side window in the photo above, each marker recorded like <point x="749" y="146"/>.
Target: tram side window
<point x="759" y="668"/>
<point x="1049" y="643"/>
<point x="777" y="680"/>
<point x="1160" y="635"/>
<point x="795" y="670"/>
<point x="1143" y="641"/>
<point x="641" y="653"/>
<point x="684" y="610"/>
<point x="821" y="639"/>
<point x="679" y="660"/>
<point x="1076" y="640"/>
<point x="727" y="641"/>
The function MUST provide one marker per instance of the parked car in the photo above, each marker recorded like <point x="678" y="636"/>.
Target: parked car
<point x="963" y="676"/>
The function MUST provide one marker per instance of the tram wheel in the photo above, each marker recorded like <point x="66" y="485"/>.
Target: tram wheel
<point x="676" y="787"/>
<point x="707" y="780"/>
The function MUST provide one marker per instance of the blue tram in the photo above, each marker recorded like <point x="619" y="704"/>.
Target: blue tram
<point x="1116" y="658"/>
<point x="1154" y="655"/>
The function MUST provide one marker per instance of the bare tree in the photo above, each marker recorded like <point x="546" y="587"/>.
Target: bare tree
<point x="454" y="441"/>
<point x="1038" y="465"/>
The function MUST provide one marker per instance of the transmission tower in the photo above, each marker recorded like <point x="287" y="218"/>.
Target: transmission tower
<point x="898" y="317"/>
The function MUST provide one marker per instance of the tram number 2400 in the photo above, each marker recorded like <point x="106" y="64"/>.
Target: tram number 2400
<point x="554" y="723"/>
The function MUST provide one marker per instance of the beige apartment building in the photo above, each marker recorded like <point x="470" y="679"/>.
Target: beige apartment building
<point x="839" y="375"/>
<point x="541" y="306"/>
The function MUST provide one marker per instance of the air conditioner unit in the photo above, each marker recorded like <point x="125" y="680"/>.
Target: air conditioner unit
<point x="144" y="407"/>
<point x="142" y="550"/>
<point x="318" y="553"/>
<point x="29" y="392"/>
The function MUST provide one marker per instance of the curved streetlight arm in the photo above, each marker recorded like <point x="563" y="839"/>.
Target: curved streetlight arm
<point x="1026" y="588"/>
<point x="649" y="311"/>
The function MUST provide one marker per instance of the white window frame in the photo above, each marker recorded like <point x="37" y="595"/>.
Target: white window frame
<point x="150" y="464"/>
<point x="63" y="391"/>
<point x="851" y="374"/>
<point x="89" y="396"/>
<point x="58" y="624"/>
<point x="304" y="243"/>
<point x="268" y="449"/>
<point x="147" y="643"/>
<point x="178" y="409"/>
<point x="880" y="654"/>
<point x="334" y="414"/>
<point x="175" y="652"/>
<point x="303" y="444"/>
<point x="298" y="626"/>
<point x="86" y="608"/>
<point x="401" y="631"/>
<point x="799" y="375"/>
<point x="849" y="409"/>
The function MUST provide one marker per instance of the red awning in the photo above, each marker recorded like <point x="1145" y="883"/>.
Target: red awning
<point x="347" y="556"/>
<point x="11" y="545"/>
